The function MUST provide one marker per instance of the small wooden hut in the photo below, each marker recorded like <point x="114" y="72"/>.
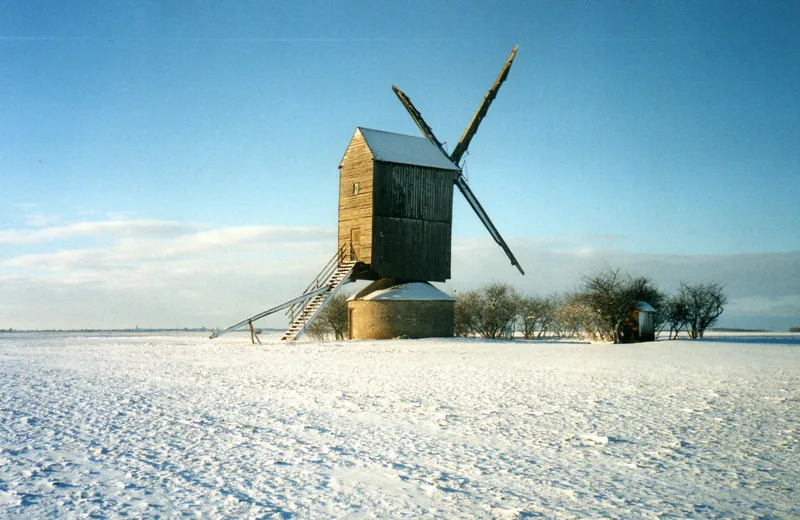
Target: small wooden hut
<point x="639" y="326"/>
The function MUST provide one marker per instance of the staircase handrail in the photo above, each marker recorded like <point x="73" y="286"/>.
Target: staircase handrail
<point x="302" y="298"/>
<point x="315" y="306"/>
<point x="322" y="278"/>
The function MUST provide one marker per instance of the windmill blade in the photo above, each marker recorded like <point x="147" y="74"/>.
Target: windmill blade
<point x="472" y="128"/>
<point x="415" y="114"/>
<point x="461" y="182"/>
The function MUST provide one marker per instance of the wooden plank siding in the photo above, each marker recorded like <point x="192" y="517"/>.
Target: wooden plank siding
<point x="411" y="249"/>
<point x="412" y="228"/>
<point x="355" y="210"/>
<point x="409" y="191"/>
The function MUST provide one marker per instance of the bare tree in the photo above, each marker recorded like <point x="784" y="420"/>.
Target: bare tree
<point x="467" y="308"/>
<point x="603" y="294"/>
<point x="612" y="296"/>
<point x="332" y="319"/>
<point x="317" y="330"/>
<point x="672" y="316"/>
<point x="574" y="317"/>
<point x="498" y="306"/>
<point x="537" y="315"/>
<point x="488" y="312"/>
<point x="703" y="304"/>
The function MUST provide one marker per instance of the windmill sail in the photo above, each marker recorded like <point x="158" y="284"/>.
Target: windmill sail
<point x="473" y="201"/>
<point x="415" y="114"/>
<point x="472" y="128"/>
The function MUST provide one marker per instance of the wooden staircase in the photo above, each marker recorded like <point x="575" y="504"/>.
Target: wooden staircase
<point x="303" y="309"/>
<point x="305" y="315"/>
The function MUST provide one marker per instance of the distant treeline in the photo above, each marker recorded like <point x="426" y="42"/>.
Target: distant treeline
<point x="728" y="329"/>
<point x="596" y="310"/>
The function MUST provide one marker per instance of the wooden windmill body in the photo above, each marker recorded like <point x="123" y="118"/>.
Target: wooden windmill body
<point x="396" y="206"/>
<point x="395" y="228"/>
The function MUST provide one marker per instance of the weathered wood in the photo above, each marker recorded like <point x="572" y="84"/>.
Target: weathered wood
<point x="416" y="115"/>
<point x="404" y="190"/>
<point x="355" y="210"/>
<point x="411" y="249"/>
<point x="399" y="219"/>
<point x="273" y="310"/>
<point x="253" y="335"/>
<point x="472" y="127"/>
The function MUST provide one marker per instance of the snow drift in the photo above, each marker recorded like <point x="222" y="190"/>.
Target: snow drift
<point x="177" y="425"/>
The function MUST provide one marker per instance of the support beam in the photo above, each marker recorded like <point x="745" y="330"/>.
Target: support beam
<point x="253" y="335"/>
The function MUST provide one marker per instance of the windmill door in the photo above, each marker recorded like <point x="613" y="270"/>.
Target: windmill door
<point x="355" y="242"/>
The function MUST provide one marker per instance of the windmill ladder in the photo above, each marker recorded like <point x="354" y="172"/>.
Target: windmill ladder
<point x="312" y="309"/>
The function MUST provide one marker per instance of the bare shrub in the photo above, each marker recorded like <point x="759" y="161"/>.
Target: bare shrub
<point x="489" y="312"/>
<point x="499" y="305"/>
<point x="703" y="304"/>
<point x="332" y="319"/>
<point x="467" y="308"/>
<point x="610" y="296"/>
<point x="537" y="315"/>
<point x="673" y="316"/>
<point x="573" y="316"/>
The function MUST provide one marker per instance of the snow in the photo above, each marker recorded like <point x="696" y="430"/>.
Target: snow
<point x="417" y="291"/>
<point x="404" y="149"/>
<point x="177" y="425"/>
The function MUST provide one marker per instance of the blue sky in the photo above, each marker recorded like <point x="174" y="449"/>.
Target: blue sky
<point x="175" y="164"/>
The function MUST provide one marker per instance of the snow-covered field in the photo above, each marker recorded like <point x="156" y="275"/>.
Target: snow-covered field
<point x="181" y="426"/>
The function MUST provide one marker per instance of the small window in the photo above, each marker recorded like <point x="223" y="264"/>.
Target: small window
<point x="355" y="188"/>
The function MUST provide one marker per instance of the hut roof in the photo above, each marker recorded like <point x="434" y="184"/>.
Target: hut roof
<point x="644" y="306"/>
<point x="404" y="149"/>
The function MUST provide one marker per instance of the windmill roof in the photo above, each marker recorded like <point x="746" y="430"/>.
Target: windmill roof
<point x="404" y="149"/>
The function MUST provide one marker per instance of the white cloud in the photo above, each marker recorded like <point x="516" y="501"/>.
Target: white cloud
<point x="141" y="241"/>
<point x="31" y="214"/>
<point x="166" y="275"/>
<point x="185" y="280"/>
<point x="787" y="306"/>
<point x="114" y="228"/>
<point x="40" y="219"/>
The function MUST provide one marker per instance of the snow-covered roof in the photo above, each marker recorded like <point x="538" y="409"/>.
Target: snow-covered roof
<point x="644" y="306"/>
<point x="404" y="149"/>
<point x="416" y="291"/>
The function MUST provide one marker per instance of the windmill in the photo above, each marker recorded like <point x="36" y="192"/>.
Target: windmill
<point x="395" y="228"/>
